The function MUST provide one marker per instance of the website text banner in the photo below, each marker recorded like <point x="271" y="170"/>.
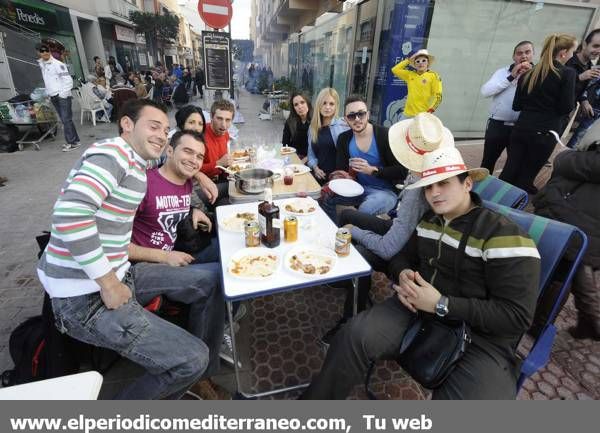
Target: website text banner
<point x="299" y="416"/>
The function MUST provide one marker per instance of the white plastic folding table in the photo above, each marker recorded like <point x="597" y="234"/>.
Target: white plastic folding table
<point x="317" y="229"/>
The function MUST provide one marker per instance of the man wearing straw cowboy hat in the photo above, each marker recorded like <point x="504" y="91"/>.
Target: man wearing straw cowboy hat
<point x="380" y="240"/>
<point x="493" y="290"/>
<point x="424" y="85"/>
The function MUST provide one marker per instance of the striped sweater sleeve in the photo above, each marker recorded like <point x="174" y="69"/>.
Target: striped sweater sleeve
<point x="74" y="216"/>
<point x="436" y="92"/>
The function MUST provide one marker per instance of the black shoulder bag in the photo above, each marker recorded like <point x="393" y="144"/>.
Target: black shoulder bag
<point x="430" y="347"/>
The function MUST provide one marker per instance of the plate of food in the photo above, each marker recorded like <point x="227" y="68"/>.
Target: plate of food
<point x="287" y="150"/>
<point x="240" y="155"/>
<point x="300" y="206"/>
<point x="235" y="222"/>
<point x="236" y="167"/>
<point x="310" y="261"/>
<point x="253" y="263"/>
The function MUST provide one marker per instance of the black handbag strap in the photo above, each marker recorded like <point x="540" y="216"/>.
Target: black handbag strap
<point x="460" y="251"/>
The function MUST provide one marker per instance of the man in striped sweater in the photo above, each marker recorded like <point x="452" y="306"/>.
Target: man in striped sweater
<point x="85" y="267"/>
<point x="491" y="285"/>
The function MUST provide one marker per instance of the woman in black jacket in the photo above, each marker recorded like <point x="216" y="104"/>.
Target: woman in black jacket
<point x="571" y="196"/>
<point x="295" y="130"/>
<point x="545" y="96"/>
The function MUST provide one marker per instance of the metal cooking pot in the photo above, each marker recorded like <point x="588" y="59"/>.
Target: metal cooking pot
<point x="254" y="180"/>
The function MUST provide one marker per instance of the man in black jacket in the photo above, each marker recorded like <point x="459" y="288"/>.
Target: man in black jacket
<point x="571" y="196"/>
<point x="364" y="152"/>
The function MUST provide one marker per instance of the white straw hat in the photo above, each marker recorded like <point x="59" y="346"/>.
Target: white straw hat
<point x="444" y="163"/>
<point x="411" y="139"/>
<point x="420" y="53"/>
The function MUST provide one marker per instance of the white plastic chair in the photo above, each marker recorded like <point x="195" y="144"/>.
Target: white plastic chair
<point x="90" y="103"/>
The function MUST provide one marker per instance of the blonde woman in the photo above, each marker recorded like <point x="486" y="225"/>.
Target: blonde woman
<point x="325" y="127"/>
<point x="545" y="96"/>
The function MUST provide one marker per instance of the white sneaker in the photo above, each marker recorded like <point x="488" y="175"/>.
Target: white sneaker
<point x="226" y="352"/>
<point x="70" y="147"/>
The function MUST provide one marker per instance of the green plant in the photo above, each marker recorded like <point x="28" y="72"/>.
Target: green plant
<point x="284" y="84"/>
<point x="284" y="105"/>
<point x="163" y="28"/>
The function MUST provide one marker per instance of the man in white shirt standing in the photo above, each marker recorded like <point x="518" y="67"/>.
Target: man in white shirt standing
<point x="58" y="84"/>
<point x="501" y="87"/>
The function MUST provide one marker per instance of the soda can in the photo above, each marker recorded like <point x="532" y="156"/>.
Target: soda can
<point x="290" y="229"/>
<point x="252" y="234"/>
<point x="343" y="238"/>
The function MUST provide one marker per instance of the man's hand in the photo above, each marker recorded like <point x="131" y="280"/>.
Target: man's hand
<point x="115" y="295"/>
<point x="520" y="69"/>
<point x="361" y="165"/>
<point x="589" y="74"/>
<point x="225" y="160"/>
<point x="416" y="293"/>
<point x="349" y="226"/>
<point x="319" y="174"/>
<point x="208" y="187"/>
<point x="587" y="109"/>
<point x="199" y="216"/>
<point x="177" y="258"/>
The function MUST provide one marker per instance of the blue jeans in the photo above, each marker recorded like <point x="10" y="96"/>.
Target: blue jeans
<point x="373" y="201"/>
<point x="583" y="126"/>
<point x="65" y="112"/>
<point x="174" y="359"/>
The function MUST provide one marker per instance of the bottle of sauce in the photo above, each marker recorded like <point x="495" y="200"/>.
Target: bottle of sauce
<point x="269" y="222"/>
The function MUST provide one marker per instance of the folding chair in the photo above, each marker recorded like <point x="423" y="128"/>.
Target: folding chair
<point x="552" y="239"/>
<point x="500" y="192"/>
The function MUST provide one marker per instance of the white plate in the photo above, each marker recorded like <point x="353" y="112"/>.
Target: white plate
<point x="251" y="253"/>
<point x="239" y="166"/>
<point x="300" y="203"/>
<point x="312" y="255"/>
<point x="299" y="169"/>
<point x="273" y="164"/>
<point x="346" y="187"/>
<point x="227" y="223"/>
<point x="287" y="150"/>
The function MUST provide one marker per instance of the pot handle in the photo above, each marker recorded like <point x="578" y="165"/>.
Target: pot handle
<point x="276" y="176"/>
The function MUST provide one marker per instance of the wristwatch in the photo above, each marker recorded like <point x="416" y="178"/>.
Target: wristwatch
<point x="441" y="308"/>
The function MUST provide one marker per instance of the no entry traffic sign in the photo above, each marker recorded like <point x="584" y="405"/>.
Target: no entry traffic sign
<point x="215" y="13"/>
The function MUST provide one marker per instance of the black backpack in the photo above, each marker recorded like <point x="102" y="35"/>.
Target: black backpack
<point x="39" y="351"/>
<point x="180" y="96"/>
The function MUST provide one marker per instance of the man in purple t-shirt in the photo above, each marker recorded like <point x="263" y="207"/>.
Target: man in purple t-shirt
<point x="167" y="202"/>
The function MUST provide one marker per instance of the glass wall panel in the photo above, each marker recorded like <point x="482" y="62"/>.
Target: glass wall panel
<point x="325" y="55"/>
<point x="473" y="38"/>
<point x="363" y="51"/>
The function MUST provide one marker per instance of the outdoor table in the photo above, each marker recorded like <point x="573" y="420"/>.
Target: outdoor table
<point x="303" y="184"/>
<point x="321" y="231"/>
<point x="80" y="386"/>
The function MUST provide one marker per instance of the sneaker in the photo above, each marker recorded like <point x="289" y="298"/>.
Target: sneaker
<point x="240" y="313"/>
<point x="206" y="389"/>
<point x="226" y="352"/>
<point x="70" y="147"/>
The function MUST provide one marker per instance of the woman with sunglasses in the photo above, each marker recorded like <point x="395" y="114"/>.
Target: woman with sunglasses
<point x="325" y="127"/>
<point x="424" y="86"/>
<point x="295" y="130"/>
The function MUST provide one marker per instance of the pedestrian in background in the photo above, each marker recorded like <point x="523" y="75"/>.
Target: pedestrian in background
<point x="58" y="85"/>
<point x="501" y="88"/>
<point x="545" y="96"/>
<point x="586" y="85"/>
<point x="424" y="85"/>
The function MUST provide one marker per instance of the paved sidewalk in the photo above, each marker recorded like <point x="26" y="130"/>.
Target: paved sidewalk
<point x="279" y="332"/>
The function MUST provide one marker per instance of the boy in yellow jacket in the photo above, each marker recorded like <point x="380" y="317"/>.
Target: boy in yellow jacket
<point x="424" y="86"/>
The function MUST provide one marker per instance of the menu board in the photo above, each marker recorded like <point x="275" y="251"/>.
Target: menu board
<point x="217" y="60"/>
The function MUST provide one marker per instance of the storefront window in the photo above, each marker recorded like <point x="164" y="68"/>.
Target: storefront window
<point x="473" y="38"/>
<point x="325" y="57"/>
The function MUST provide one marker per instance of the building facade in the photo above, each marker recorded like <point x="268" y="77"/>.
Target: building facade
<point x="353" y="50"/>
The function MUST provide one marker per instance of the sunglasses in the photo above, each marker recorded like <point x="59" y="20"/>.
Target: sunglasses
<point x="419" y="61"/>
<point x="44" y="50"/>
<point x="356" y="115"/>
